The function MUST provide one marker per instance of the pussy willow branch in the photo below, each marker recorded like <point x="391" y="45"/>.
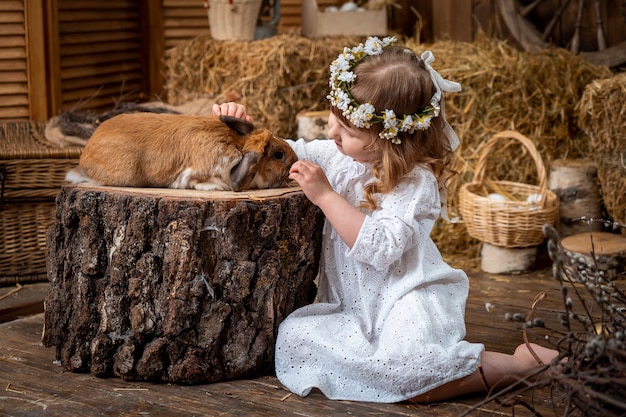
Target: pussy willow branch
<point x="529" y="315"/>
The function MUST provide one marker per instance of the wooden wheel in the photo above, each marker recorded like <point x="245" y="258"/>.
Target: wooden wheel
<point x="580" y="25"/>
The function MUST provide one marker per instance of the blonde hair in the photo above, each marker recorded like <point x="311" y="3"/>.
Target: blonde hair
<point x="397" y="79"/>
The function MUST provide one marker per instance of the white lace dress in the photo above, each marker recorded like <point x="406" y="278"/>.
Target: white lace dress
<point x="389" y="321"/>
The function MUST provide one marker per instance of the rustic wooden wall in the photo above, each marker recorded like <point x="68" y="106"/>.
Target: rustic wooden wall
<point x="99" y="48"/>
<point x="21" y="47"/>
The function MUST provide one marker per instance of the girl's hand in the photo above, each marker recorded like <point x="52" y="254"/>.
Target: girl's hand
<point x="346" y="220"/>
<point x="312" y="179"/>
<point x="231" y="109"/>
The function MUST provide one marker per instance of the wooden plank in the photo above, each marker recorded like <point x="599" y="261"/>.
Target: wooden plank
<point x="154" y="48"/>
<point x="53" y="46"/>
<point x="11" y="29"/>
<point x="187" y="23"/>
<point x="12" y="102"/>
<point x="100" y="47"/>
<point x="19" y="301"/>
<point x="12" y="17"/>
<point x="13" y="88"/>
<point x="101" y="103"/>
<point x="95" y="4"/>
<point x="12" y="113"/>
<point x="98" y="26"/>
<point x="195" y="12"/>
<point x="11" y="5"/>
<point x="12" y="65"/>
<point x="103" y="79"/>
<point x="12" y="41"/>
<point x="290" y="22"/>
<point x="128" y="66"/>
<point x="13" y="53"/>
<point x="76" y="39"/>
<point x="105" y="92"/>
<point x="14" y="77"/>
<point x="452" y="19"/>
<point x="183" y="4"/>
<point x="37" y="82"/>
<point x="98" y="15"/>
<point x="185" y="34"/>
<point x="86" y="62"/>
<point x="102" y="96"/>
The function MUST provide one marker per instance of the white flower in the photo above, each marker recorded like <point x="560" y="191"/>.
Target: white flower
<point x="390" y="133"/>
<point x="389" y="119"/>
<point x="342" y="100"/>
<point x="388" y="40"/>
<point x="346" y="76"/>
<point x="423" y="122"/>
<point x="436" y="108"/>
<point x="342" y="63"/>
<point x="407" y="125"/>
<point x="362" y="115"/>
<point x="373" y="46"/>
<point x="356" y="121"/>
<point x="366" y="111"/>
<point x="358" y="51"/>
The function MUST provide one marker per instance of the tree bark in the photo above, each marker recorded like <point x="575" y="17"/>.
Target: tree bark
<point x="176" y="285"/>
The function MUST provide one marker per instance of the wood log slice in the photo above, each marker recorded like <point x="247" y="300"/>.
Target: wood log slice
<point x="500" y="260"/>
<point x="176" y="285"/>
<point x="596" y="254"/>
<point x="575" y="182"/>
<point x="313" y="124"/>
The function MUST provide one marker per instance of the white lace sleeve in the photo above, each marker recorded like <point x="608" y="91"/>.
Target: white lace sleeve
<point x="406" y="216"/>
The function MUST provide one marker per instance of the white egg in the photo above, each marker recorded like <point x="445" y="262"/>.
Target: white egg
<point x="497" y="197"/>
<point x="533" y="198"/>
<point x="331" y="9"/>
<point x="348" y="7"/>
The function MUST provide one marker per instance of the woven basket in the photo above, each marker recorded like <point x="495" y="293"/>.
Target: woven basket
<point x="32" y="170"/>
<point x="516" y="222"/>
<point x="233" y="19"/>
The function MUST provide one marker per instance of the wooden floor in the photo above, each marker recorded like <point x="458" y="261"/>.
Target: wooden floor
<point x="32" y="384"/>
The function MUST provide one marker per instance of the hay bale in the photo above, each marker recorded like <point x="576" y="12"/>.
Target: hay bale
<point x="275" y="78"/>
<point x="503" y="88"/>
<point x="602" y="116"/>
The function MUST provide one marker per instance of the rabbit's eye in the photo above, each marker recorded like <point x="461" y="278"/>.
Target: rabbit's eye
<point x="279" y="155"/>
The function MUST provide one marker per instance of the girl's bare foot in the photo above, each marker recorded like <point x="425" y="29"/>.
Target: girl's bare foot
<point x="497" y="370"/>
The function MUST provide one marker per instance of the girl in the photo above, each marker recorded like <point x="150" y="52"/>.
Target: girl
<point x="389" y="322"/>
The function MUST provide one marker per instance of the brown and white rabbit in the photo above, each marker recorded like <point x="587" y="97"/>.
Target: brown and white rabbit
<point x="183" y="151"/>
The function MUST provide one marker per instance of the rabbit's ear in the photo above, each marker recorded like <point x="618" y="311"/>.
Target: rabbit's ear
<point x="242" y="174"/>
<point x="241" y="126"/>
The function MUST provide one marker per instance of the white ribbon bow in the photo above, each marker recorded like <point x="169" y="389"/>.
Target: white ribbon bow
<point x="441" y="84"/>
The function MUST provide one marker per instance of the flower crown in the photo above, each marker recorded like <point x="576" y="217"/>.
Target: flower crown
<point x="364" y="115"/>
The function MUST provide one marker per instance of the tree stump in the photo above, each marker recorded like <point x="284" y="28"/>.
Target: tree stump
<point x="596" y="254"/>
<point x="313" y="124"/>
<point x="500" y="260"/>
<point x="576" y="184"/>
<point x="176" y="285"/>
